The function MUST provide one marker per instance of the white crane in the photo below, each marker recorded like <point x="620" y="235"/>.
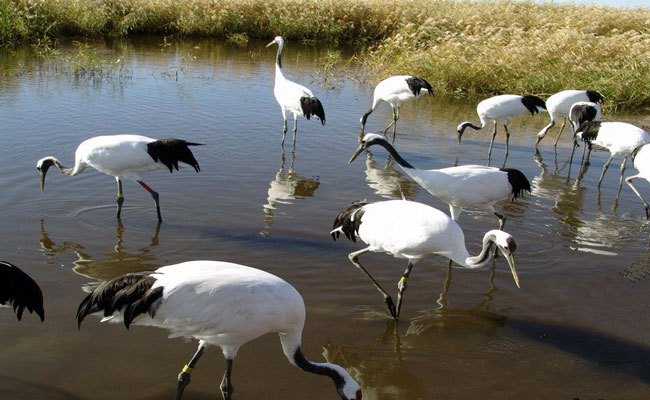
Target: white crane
<point x="642" y="164"/>
<point x="410" y="230"/>
<point x="619" y="138"/>
<point x="502" y="109"/>
<point x="293" y="97"/>
<point x="125" y="157"/>
<point x="465" y="186"/>
<point x="396" y="90"/>
<point x="19" y="291"/>
<point x="558" y="106"/>
<point x="217" y="303"/>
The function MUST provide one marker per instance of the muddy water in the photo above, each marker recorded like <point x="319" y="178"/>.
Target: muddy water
<point x="577" y="328"/>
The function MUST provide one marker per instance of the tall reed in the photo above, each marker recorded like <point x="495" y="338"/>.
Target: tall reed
<point x="465" y="48"/>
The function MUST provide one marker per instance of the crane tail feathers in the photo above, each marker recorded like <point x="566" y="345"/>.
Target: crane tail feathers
<point x="170" y="151"/>
<point x="533" y="104"/>
<point x="518" y="181"/>
<point x="312" y="106"/>
<point x="130" y="295"/>
<point x="417" y="84"/>
<point x="594" y="96"/>
<point x="348" y="221"/>
<point x="20" y="291"/>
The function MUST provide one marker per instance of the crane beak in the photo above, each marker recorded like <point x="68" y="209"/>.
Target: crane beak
<point x="511" y="263"/>
<point x="460" y="136"/>
<point x="273" y="42"/>
<point x="361" y="148"/>
<point x="42" y="174"/>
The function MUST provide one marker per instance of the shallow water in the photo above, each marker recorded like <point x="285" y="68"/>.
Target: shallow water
<point x="577" y="328"/>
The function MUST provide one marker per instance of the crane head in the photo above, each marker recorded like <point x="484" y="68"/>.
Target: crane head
<point x="507" y="246"/>
<point x="42" y="166"/>
<point x="278" y="39"/>
<point x="368" y="139"/>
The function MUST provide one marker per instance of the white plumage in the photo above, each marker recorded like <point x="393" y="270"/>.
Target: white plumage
<point x="410" y="230"/>
<point x="619" y="138"/>
<point x="217" y="303"/>
<point x="502" y="109"/>
<point x="465" y="186"/>
<point x="642" y="165"/>
<point x="292" y="97"/>
<point x="125" y="157"/>
<point x="558" y="106"/>
<point x="395" y="91"/>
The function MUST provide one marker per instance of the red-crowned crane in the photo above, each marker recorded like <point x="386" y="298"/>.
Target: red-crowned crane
<point x="396" y="90"/>
<point x="19" y="291"/>
<point x="410" y="230"/>
<point x="502" y="109"/>
<point x="619" y="138"/>
<point x="558" y="106"/>
<point x="125" y="157"/>
<point x="216" y="303"/>
<point x="465" y="186"/>
<point x="292" y="97"/>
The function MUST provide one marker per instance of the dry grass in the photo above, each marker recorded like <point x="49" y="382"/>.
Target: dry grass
<point x="463" y="48"/>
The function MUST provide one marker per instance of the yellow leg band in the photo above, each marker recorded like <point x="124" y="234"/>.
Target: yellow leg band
<point x="187" y="369"/>
<point x="404" y="279"/>
<point x="120" y="195"/>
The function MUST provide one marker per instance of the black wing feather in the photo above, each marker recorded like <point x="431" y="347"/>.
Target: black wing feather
<point x="349" y="221"/>
<point x="417" y="84"/>
<point x="130" y="294"/>
<point x="594" y="96"/>
<point x="533" y="104"/>
<point x="583" y="113"/>
<point x="20" y="291"/>
<point x="312" y="106"/>
<point x="171" y="151"/>
<point x="518" y="181"/>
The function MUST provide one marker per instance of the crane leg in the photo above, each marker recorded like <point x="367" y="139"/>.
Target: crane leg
<point x="295" y="129"/>
<point x="494" y="134"/>
<point x="602" y="174"/>
<point x="154" y="195"/>
<point x="120" y="197"/>
<point x="628" y="180"/>
<point x="507" y="141"/>
<point x="560" y="134"/>
<point x="284" y="131"/>
<point x="185" y="376"/>
<point x="226" y="385"/>
<point x="401" y="286"/>
<point x="392" y="124"/>
<point x="354" y="259"/>
<point x="620" y="181"/>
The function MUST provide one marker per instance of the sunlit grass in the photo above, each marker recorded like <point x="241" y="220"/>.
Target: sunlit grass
<point x="463" y="48"/>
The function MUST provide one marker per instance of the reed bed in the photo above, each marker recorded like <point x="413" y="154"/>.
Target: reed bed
<point x="463" y="48"/>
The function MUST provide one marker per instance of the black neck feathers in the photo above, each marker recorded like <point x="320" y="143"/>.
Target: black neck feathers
<point x="312" y="106"/>
<point x="583" y="113"/>
<point x="129" y="294"/>
<point x="20" y="291"/>
<point x="533" y="103"/>
<point x="391" y="150"/>
<point x="304" y="364"/>
<point x="594" y="96"/>
<point x="348" y="221"/>
<point x="518" y="181"/>
<point x="589" y="130"/>
<point x="417" y="84"/>
<point x="466" y="125"/>
<point x="171" y="151"/>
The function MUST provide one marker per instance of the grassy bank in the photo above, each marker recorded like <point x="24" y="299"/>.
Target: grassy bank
<point x="463" y="48"/>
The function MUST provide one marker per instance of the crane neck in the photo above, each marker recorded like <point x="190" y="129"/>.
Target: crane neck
<point x="278" y="61"/>
<point x="398" y="158"/>
<point x="483" y="258"/>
